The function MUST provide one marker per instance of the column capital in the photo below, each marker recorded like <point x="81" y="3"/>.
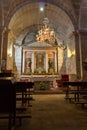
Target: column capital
<point x="6" y="30"/>
<point x="74" y="33"/>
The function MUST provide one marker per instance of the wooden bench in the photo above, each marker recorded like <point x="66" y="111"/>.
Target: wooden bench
<point x="70" y="99"/>
<point x="19" y="113"/>
<point x="23" y="88"/>
<point x="25" y="98"/>
<point x="20" y="107"/>
<point x="19" y="116"/>
<point x="22" y="116"/>
<point x="81" y="103"/>
<point x="8" y="100"/>
<point x="84" y="96"/>
<point x="8" y="106"/>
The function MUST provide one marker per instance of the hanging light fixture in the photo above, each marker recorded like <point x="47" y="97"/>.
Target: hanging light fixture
<point x="46" y="33"/>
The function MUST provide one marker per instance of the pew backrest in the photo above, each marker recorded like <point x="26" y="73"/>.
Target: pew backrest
<point x="7" y="95"/>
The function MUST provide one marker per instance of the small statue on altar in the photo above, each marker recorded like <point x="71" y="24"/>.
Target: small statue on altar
<point x="40" y="60"/>
<point x="29" y="63"/>
<point x="50" y="62"/>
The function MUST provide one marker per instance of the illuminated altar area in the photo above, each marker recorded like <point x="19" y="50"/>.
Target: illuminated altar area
<point x="40" y="57"/>
<point x="39" y="61"/>
<point x="40" y="66"/>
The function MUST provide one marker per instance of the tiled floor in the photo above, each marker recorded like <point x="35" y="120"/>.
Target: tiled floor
<point x="52" y="112"/>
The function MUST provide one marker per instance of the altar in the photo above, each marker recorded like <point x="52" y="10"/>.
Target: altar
<point x="42" y="82"/>
<point x="40" y="65"/>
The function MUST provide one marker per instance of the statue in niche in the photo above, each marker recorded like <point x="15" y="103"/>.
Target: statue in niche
<point x="28" y="65"/>
<point x="51" y="66"/>
<point x="50" y="62"/>
<point x="40" y="60"/>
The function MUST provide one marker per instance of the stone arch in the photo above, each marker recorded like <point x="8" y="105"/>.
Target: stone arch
<point x="58" y="4"/>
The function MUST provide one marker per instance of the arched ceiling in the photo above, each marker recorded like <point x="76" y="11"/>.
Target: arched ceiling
<point x="27" y="16"/>
<point x="63" y="15"/>
<point x="83" y="15"/>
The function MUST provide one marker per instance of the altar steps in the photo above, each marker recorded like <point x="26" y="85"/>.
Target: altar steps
<point x="51" y="91"/>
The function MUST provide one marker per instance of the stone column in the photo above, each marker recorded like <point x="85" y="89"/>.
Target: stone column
<point x="1" y="45"/>
<point x="46" y="62"/>
<point x="83" y="46"/>
<point x="5" y="44"/>
<point x="78" y="54"/>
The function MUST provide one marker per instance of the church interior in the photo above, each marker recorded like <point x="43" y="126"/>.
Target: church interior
<point x="43" y="45"/>
<point x="24" y="46"/>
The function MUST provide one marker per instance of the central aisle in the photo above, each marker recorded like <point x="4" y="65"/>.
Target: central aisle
<point x="52" y="112"/>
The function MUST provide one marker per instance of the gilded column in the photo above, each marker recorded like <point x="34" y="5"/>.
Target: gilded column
<point x="46" y="62"/>
<point x="23" y="62"/>
<point x="33" y="62"/>
<point x="55" y="62"/>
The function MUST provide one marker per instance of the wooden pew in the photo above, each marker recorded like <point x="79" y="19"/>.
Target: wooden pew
<point x="78" y="92"/>
<point x="8" y="100"/>
<point x="8" y="106"/>
<point x="23" y="89"/>
<point x="7" y="73"/>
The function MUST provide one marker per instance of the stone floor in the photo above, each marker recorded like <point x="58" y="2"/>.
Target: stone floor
<point x="52" y="112"/>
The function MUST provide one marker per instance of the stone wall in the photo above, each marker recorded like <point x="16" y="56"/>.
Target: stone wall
<point x="83" y="38"/>
<point x="61" y="61"/>
<point x="71" y="56"/>
<point x="17" y="62"/>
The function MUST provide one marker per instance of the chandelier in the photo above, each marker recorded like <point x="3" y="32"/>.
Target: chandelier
<point x="46" y="33"/>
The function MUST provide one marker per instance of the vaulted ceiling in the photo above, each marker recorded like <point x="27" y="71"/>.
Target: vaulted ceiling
<point x="65" y="16"/>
